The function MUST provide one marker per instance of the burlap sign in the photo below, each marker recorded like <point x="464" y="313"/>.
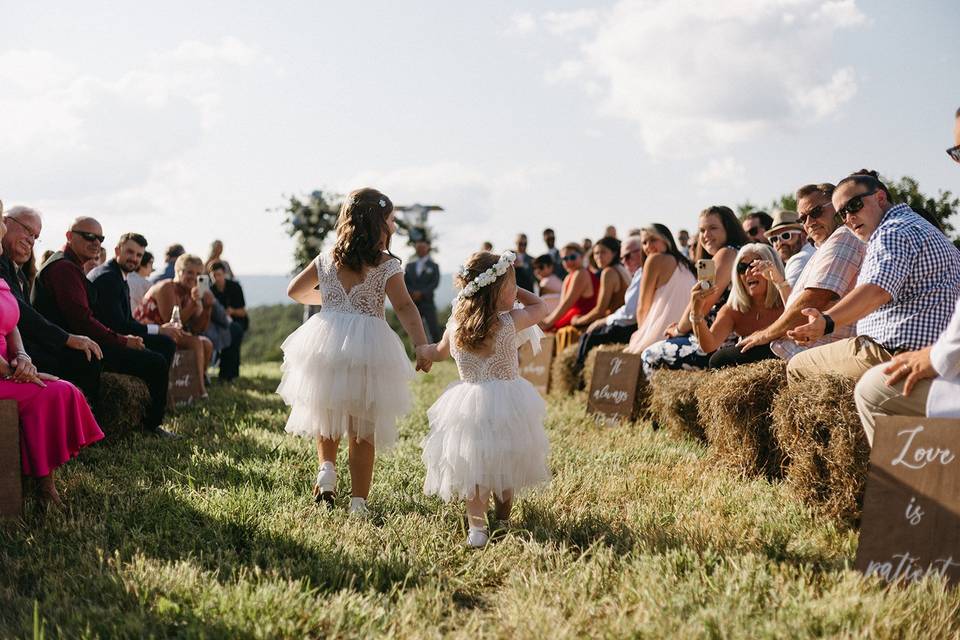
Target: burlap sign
<point x="613" y="386"/>
<point x="184" y="385"/>
<point x="536" y="368"/>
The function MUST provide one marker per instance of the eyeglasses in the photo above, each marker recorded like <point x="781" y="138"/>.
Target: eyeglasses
<point x="571" y="256"/>
<point x="89" y="237"/>
<point x="30" y="233"/>
<point x="854" y="204"/>
<point x="743" y="267"/>
<point x="954" y="153"/>
<point x="785" y="236"/>
<point x="753" y="231"/>
<point x="813" y="214"/>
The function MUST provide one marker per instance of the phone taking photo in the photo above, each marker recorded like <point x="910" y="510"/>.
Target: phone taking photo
<point x="203" y="284"/>
<point x="706" y="273"/>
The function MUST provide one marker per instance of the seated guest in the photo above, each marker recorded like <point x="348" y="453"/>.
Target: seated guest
<point x="579" y="293"/>
<point x="753" y="305"/>
<point x="614" y="280"/>
<point x="664" y="288"/>
<point x="828" y="276"/>
<point x="588" y="256"/>
<point x="790" y="241"/>
<point x="62" y="294"/>
<point x="550" y="285"/>
<point x="619" y="325"/>
<point x="138" y="281"/>
<point x="229" y="294"/>
<point x="487" y="246"/>
<point x="73" y="357"/>
<point x="216" y="256"/>
<point x="46" y="255"/>
<point x="683" y="241"/>
<point x="195" y="309"/>
<point x="756" y="225"/>
<point x="55" y="420"/>
<point x="720" y="237"/>
<point x="905" y="293"/>
<point x="173" y="252"/>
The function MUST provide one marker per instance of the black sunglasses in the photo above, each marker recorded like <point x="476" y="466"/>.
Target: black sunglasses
<point x="813" y="214"/>
<point x="572" y="256"/>
<point x="854" y="204"/>
<point x="753" y="231"/>
<point x="954" y="153"/>
<point x="89" y="237"/>
<point x="743" y="267"/>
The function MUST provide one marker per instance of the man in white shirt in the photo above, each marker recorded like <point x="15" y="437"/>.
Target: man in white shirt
<point x="790" y="242"/>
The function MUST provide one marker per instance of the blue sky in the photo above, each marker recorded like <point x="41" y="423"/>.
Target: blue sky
<point x="190" y="121"/>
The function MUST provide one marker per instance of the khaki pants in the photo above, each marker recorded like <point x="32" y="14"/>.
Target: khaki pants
<point x="875" y="397"/>
<point x="851" y="358"/>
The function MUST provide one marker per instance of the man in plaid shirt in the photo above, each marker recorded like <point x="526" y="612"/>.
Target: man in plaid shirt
<point x="830" y="273"/>
<point x="905" y="293"/>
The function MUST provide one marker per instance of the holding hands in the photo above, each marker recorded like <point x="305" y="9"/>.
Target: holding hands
<point x="424" y="359"/>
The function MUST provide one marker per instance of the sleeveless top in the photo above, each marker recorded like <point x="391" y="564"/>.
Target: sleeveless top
<point x="581" y="305"/>
<point x="501" y="364"/>
<point x="364" y="298"/>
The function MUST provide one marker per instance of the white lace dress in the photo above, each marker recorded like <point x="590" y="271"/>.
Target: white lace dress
<point x="345" y="371"/>
<point x="487" y="429"/>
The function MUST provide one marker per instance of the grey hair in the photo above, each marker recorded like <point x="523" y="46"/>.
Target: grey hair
<point x="14" y="212"/>
<point x="740" y="299"/>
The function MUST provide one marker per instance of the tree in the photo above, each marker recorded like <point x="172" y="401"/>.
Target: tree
<point x="937" y="211"/>
<point x="308" y="221"/>
<point x="786" y="201"/>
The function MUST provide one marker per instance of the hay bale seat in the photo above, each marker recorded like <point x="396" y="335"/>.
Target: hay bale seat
<point x="673" y="401"/>
<point x="735" y="411"/>
<point x="816" y="425"/>
<point x="563" y="379"/>
<point x="641" y="399"/>
<point x="122" y="404"/>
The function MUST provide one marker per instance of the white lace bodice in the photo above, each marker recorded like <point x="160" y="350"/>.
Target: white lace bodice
<point x="365" y="297"/>
<point x="501" y="364"/>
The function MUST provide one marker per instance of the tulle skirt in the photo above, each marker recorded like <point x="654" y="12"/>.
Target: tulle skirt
<point x="345" y="374"/>
<point x="488" y="435"/>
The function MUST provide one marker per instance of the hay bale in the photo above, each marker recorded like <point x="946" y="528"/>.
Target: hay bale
<point x="735" y="411"/>
<point x="641" y="399"/>
<point x="673" y="401"/>
<point x="817" y="427"/>
<point x="122" y="404"/>
<point x="564" y="379"/>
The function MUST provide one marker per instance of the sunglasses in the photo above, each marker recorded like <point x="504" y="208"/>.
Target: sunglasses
<point x="743" y="267"/>
<point x="571" y="256"/>
<point x="89" y="237"/>
<point x="753" y="231"/>
<point x="30" y="233"/>
<point x="854" y="204"/>
<point x="785" y="236"/>
<point x="813" y="214"/>
<point x="954" y="153"/>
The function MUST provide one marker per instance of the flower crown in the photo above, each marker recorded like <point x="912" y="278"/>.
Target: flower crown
<point x="488" y="277"/>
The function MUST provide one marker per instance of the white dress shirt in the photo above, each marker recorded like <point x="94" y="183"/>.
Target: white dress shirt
<point x="795" y="263"/>
<point x="627" y="314"/>
<point x="944" y="398"/>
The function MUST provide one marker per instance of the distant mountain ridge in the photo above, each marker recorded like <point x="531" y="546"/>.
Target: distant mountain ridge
<point x="261" y="290"/>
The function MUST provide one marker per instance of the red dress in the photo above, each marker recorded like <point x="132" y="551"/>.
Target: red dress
<point x="55" y="421"/>
<point x="581" y="305"/>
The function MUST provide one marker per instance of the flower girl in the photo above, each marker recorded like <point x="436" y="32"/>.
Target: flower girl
<point x="345" y="372"/>
<point x="486" y="431"/>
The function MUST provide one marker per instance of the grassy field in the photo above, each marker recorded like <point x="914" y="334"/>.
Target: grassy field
<point x="216" y="536"/>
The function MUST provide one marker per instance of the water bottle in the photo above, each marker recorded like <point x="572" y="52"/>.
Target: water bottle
<point x="175" y="317"/>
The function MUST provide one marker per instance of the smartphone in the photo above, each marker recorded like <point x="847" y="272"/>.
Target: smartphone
<point x="707" y="272"/>
<point x="203" y="283"/>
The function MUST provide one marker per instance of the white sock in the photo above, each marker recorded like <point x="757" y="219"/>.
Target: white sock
<point x="358" y="503"/>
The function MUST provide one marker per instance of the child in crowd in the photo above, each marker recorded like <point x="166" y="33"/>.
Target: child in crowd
<point x="551" y="286"/>
<point x="486" y="431"/>
<point x="345" y="372"/>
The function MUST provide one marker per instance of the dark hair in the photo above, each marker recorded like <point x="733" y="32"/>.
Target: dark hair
<point x="546" y="260"/>
<point x="174" y="251"/>
<point x="548" y="230"/>
<point x="736" y="236"/>
<point x="216" y="266"/>
<point x="361" y="227"/>
<point x="868" y="178"/>
<point x="662" y="231"/>
<point x="136" y="237"/>
<point x="824" y="188"/>
<point x="146" y="259"/>
<point x="958" y="113"/>
<point x="765" y="220"/>
<point x="613" y="245"/>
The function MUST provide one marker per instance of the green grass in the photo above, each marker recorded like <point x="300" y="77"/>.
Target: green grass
<point x="216" y="536"/>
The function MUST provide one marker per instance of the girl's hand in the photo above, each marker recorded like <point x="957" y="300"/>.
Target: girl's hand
<point x="766" y="269"/>
<point x="672" y="331"/>
<point x="424" y="363"/>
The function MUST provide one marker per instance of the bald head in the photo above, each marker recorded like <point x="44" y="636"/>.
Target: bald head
<point x="85" y="237"/>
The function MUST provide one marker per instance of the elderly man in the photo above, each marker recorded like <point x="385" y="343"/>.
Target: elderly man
<point x="62" y="294"/>
<point x="422" y="277"/>
<point x="789" y="240"/>
<point x="69" y="356"/>
<point x="617" y="327"/>
<point x="906" y="290"/>
<point x="828" y="275"/>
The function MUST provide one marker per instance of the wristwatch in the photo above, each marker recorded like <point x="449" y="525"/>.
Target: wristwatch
<point x="828" y="329"/>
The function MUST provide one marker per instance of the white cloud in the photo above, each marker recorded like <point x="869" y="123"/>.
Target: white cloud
<point x="723" y="172"/>
<point x="521" y="23"/>
<point x="563" y="22"/>
<point x="696" y="77"/>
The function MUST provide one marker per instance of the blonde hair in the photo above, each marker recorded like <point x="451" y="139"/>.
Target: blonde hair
<point x="740" y="298"/>
<point x="476" y="315"/>
<point x="186" y="259"/>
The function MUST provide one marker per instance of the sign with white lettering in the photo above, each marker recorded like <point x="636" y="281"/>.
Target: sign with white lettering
<point x="910" y="526"/>
<point x="613" y="386"/>
<point x="184" y="385"/>
<point x="11" y="490"/>
<point x="536" y="368"/>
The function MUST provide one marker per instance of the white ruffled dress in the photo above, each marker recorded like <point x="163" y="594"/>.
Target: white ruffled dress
<point x="345" y="372"/>
<point x="487" y="429"/>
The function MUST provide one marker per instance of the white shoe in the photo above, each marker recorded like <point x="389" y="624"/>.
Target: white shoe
<point x="358" y="507"/>
<point x="477" y="537"/>
<point x="325" y="488"/>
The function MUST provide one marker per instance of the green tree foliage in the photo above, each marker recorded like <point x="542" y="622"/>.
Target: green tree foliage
<point x="937" y="210"/>
<point x="308" y="221"/>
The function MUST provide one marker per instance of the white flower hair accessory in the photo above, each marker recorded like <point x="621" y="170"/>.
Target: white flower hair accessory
<point x="383" y="203"/>
<point x="488" y="277"/>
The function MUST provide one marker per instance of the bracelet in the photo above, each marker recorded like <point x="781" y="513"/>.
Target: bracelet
<point x="780" y="284"/>
<point x="24" y="355"/>
<point x="828" y="329"/>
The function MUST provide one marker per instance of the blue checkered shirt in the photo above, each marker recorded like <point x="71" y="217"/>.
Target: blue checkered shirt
<point x="909" y="259"/>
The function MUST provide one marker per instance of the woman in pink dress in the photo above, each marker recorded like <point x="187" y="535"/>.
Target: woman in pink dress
<point x="55" y="421"/>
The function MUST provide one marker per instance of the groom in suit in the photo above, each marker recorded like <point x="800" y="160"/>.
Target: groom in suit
<point x="422" y="276"/>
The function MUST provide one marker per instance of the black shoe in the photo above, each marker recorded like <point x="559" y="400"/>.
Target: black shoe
<point x="160" y="432"/>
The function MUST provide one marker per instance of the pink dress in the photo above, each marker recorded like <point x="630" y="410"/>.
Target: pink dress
<point x="55" y="421"/>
